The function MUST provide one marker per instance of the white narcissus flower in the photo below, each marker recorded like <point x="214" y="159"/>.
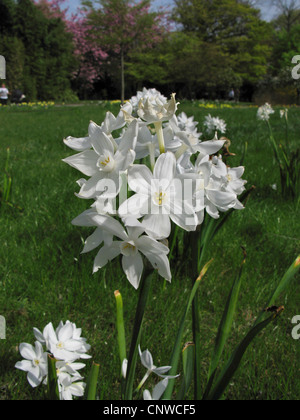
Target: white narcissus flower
<point x="35" y="363"/>
<point x="82" y="143"/>
<point x="264" y="112"/>
<point x="61" y="343"/>
<point x="103" y="163"/>
<point x="147" y="362"/>
<point x="151" y="94"/>
<point x="158" y="198"/>
<point x="76" y="335"/>
<point x="68" y="387"/>
<point x="131" y="244"/>
<point x="110" y="124"/>
<point x="157" y="110"/>
<point x="213" y="124"/>
<point x="157" y="392"/>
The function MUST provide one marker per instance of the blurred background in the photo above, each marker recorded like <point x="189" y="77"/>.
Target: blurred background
<point x="66" y="50"/>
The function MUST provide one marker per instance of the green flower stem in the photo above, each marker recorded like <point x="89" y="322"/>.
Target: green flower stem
<point x="160" y="136"/>
<point x="120" y="327"/>
<point x="145" y="286"/>
<point x="152" y="155"/>
<point x="195" y="242"/>
<point x="143" y="380"/>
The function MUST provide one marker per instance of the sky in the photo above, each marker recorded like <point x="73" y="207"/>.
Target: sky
<point x="267" y="12"/>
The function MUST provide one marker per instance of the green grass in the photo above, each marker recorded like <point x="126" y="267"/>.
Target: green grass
<point x="44" y="278"/>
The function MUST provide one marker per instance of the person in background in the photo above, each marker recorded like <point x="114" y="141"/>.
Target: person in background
<point x="231" y="95"/>
<point x="3" y="94"/>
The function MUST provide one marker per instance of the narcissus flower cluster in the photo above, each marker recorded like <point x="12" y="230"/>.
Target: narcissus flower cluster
<point x="146" y="169"/>
<point x="67" y="346"/>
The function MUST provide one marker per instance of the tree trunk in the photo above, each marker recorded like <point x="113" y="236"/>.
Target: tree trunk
<point x="122" y="78"/>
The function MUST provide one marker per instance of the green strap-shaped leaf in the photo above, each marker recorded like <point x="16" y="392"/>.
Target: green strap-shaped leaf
<point x="188" y="358"/>
<point x="282" y="285"/>
<point x="52" y="385"/>
<point x="177" y="346"/>
<point x="234" y="361"/>
<point x="91" y="384"/>
<point x="145" y="286"/>
<point x="225" y="325"/>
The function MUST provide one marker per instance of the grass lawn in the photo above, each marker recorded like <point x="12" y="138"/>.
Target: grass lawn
<point x="44" y="278"/>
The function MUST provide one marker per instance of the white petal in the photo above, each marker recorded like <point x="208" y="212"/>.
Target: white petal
<point x="165" y="167"/>
<point x="147" y="395"/>
<point x="129" y="138"/>
<point x="93" y="241"/>
<point x="133" y="268"/>
<point x="157" y="225"/>
<point x="146" y="359"/>
<point x="66" y="332"/>
<point x="139" y="179"/>
<point x="85" y="162"/>
<point x="78" y="144"/>
<point x="104" y="255"/>
<point x="159" y="389"/>
<point x="220" y="198"/>
<point x="24" y="365"/>
<point x="27" y="351"/>
<point x="38" y="335"/>
<point x="210" y="147"/>
<point x="110" y="225"/>
<point x="161" y="263"/>
<point x="34" y="378"/>
<point x="88" y="189"/>
<point x="146" y="245"/>
<point x="101" y="143"/>
<point x="84" y="218"/>
<point x="136" y="206"/>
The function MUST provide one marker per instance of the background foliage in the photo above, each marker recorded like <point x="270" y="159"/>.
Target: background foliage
<point x="111" y="48"/>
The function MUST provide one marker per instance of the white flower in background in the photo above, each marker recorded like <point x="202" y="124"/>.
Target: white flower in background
<point x="35" y="363"/>
<point x="157" y="110"/>
<point x="213" y="124"/>
<point x="158" y="198"/>
<point x="284" y="113"/>
<point x="264" y="112"/>
<point x="151" y="94"/>
<point x="192" y="145"/>
<point x="103" y="163"/>
<point x="157" y="392"/>
<point x="131" y="244"/>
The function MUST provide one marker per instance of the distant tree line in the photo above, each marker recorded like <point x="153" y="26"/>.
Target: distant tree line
<point x="111" y="48"/>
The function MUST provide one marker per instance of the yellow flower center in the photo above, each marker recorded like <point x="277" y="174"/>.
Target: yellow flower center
<point x="159" y="198"/>
<point x="105" y="162"/>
